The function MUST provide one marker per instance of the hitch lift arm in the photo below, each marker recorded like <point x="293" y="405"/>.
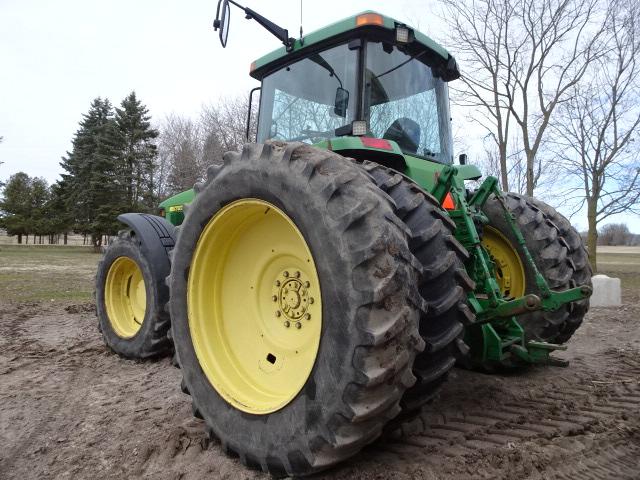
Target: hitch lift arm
<point x="496" y="327"/>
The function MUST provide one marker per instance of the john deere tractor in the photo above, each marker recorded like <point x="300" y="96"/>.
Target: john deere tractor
<point x="318" y="285"/>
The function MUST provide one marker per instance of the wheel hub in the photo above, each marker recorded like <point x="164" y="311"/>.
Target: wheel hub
<point x="291" y="291"/>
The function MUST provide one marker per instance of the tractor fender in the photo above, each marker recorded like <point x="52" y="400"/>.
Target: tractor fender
<point x="156" y="237"/>
<point x="468" y="172"/>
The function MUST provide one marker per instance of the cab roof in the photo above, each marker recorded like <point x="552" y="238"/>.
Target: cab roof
<point x="261" y="66"/>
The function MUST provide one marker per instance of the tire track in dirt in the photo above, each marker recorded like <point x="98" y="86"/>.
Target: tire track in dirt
<point x="602" y="460"/>
<point x="584" y="409"/>
<point x="545" y="414"/>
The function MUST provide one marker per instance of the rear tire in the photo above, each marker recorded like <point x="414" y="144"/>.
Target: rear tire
<point x="582" y="272"/>
<point x="145" y="336"/>
<point x="554" y="259"/>
<point x="443" y="284"/>
<point x="369" y="325"/>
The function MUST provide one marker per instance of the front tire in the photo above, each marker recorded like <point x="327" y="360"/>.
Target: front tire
<point x="358" y="264"/>
<point x="131" y="301"/>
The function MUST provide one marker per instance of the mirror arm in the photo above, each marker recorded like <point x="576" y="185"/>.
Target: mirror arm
<point x="279" y="32"/>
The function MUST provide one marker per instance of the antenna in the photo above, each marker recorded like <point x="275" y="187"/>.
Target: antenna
<point x="301" y="39"/>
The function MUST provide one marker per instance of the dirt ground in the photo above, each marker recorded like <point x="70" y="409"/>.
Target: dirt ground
<point x="71" y="409"/>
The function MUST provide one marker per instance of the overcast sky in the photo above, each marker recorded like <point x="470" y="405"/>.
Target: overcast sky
<point x="56" y="56"/>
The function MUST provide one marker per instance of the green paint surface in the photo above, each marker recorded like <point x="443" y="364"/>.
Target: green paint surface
<point x="340" y="27"/>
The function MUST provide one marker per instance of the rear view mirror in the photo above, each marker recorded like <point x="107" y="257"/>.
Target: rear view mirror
<point x="223" y="16"/>
<point x="341" y="102"/>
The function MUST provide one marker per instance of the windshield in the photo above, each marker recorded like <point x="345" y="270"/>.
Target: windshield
<point x="309" y="99"/>
<point x="405" y="103"/>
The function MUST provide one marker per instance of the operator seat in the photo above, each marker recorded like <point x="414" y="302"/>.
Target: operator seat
<point x="406" y="133"/>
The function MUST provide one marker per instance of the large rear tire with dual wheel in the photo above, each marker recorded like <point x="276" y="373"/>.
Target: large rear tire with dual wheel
<point x="558" y="252"/>
<point x="442" y="284"/>
<point x="293" y="306"/>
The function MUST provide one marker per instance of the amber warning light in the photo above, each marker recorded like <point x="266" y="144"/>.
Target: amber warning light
<point x="369" y="19"/>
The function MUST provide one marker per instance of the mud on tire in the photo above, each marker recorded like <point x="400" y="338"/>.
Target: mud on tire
<point x="369" y="335"/>
<point x="442" y="284"/>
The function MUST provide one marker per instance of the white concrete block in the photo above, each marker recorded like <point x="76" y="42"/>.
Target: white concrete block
<point x="606" y="292"/>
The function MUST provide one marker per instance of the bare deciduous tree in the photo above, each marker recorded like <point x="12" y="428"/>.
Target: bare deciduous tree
<point x="224" y="125"/>
<point x="596" y="132"/>
<point x="515" y="167"/>
<point x="615" y="234"/>
<point x="187" y="147"/>
<point x="519" y="61"/>
<point x="179" y="155"/>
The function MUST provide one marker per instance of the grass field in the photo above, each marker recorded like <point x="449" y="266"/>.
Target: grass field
<point x="72" y="240"/>
<point x="47" y="273"/>
<point x="62" y="274"/>
<point x="623" y="263"/>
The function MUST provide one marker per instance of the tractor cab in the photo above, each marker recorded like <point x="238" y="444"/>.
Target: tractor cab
<point x="368" y="77"/>
<point x="367" y="86"/>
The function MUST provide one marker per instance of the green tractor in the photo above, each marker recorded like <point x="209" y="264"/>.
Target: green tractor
<point x="320" y="284"/>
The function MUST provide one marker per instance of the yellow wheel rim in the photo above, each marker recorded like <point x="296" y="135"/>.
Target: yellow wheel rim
<point x="254" y="304"/>
<point x="125" y="297"/>
<point x="509" y="268"/>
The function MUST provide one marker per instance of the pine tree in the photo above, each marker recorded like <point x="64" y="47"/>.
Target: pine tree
<point x="94" y="192"/>
<point x="39" y="197"/>
<point x="60" y="218"/>
<point x="138" y="153"/>
<point x="15" y="207"/>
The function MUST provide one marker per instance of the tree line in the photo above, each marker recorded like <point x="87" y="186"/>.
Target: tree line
<point x="119" y="162"/>
<point x="30" y="209"/>
<point x="108" y="171"/>
<point x="617" y="234"/>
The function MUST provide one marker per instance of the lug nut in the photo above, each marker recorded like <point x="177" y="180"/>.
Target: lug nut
<point x="274" y="298"/>
<point x="298" y="274"/>
<point x="311" y="300"/>
<point x="307" y="316"/>
<point x="307" y="284"/>
<point x="278" y="313"/>
<point x="285" y="274"/>
<point x="277" y="283"/>
<point x="298" y="325"/>
<point x="287" y="324"/>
